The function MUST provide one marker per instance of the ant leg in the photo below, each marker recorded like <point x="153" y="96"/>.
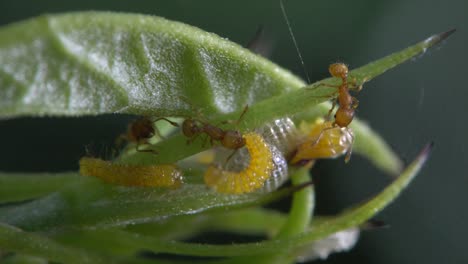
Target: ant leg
<point x="331" y="110"/>
<point x="355" y="102"/>
<point x="167" y="120"/>
<point x="355" y="88"/>
<point x="350" y="150"/>
<point x="322" y="132"/>
<point x="156" y="130"/>
<point x="246" y="107"/>
<point x="348" y="154"/>
<point x="354" y="85"/>
<point x="328" y="85"/>
<point x="193" y="108"/>
<point x="320" y="136"/>
<point x="145" y="150"/>
<point x="242" y="114"/>
<point x="157" y="133"/>
<point x="230" y="156"/>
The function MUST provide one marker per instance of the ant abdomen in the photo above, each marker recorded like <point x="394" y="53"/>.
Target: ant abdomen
<point x="344" y="117"/>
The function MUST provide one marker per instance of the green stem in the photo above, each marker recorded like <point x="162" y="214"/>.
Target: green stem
<point x="302" y="207"/>
<point x="299" y="217"/>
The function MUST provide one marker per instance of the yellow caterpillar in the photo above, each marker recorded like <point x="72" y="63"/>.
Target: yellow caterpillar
<point x="324" y="141"/>
<point x="252" y="177"/>
<point x="132" y="175"/>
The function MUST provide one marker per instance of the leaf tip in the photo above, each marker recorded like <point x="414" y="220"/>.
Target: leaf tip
<point x="424" y="154"/>
<point x="435" y="39"/>
<point x="373" y="224"/>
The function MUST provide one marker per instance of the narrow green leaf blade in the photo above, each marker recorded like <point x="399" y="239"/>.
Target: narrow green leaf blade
<point x="14" y="239"/>
<point x="90" y="203"/>
<point x="16" y="187"/>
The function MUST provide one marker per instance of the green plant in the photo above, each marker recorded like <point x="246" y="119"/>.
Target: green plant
<point x="95" y="63"/>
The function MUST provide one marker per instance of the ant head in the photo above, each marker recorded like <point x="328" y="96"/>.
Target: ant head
<point x="233" y="140"/>
<point x="339" y="70"/>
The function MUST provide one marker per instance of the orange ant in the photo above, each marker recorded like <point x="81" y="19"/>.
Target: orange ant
<point x="345" y="113"/>
<point x="231" y="139"/>
<point x="141" y="130"/>
<point x="347" y="103"/>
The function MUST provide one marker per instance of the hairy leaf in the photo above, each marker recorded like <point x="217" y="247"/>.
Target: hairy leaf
<point x="99" y="62"/>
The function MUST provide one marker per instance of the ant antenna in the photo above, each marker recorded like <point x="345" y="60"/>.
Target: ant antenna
<point x="294" y="40"/>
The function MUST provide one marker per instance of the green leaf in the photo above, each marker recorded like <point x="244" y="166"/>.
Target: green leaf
<point x="16" y="187"/>
<point x="23" y="259"/>
<point x="101" y="62"/>
<point x="16" y="240"/>
<point x="251" y="221"/>
<point x="371" y="145"/>
<point x="90" y="203"/>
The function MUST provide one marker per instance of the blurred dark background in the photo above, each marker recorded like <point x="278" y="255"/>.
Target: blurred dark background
<point x="420" y="101"/>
